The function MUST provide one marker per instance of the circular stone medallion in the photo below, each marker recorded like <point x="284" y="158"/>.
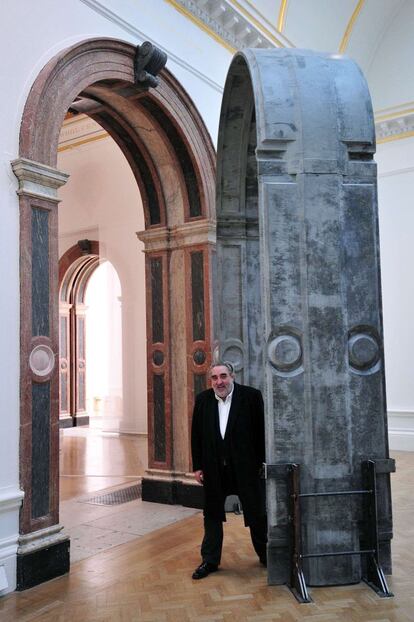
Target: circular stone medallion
<point x="364" y="351"/>
<point x="158" y="357"/>
<point x="42" y="360"/>
<point x="285" y="352"/>
<point x="199" y="357"/>
<point x="234" y="354"/>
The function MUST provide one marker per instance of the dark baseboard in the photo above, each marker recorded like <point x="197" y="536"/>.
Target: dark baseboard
<point x="42" y="565"/>
<point x="172" y="492"/>
<point x="80" y="420"/>
<point x="67" y="421"/>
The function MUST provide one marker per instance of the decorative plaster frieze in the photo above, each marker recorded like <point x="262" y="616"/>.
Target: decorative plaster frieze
<point x="28" y="543"/>
<point x="229" y="24"/>
<point x="78" y="128"/>
<point x="394" y="125"/>
<point x="37" y="179"/>
<point x="189" y="234"/>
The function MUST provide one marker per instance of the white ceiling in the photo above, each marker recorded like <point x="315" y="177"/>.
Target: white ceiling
<point x="378" y="34"/>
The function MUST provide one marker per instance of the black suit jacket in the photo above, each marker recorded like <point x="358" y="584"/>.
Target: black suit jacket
<point x="246" y="445"/>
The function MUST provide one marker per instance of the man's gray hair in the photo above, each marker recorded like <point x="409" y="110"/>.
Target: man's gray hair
<point x="223" y="364"/>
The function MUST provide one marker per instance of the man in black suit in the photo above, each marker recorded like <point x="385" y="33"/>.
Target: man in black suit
<point x="228" y="449"/>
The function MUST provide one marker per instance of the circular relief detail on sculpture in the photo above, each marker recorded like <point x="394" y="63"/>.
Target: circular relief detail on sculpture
<point x="81" y="365"/>
<point x="285" y="352"/>
<point x="199" y="357"/>
<point x="63" y="365"/>
<point x="364" y="351"/>
<point x="42" y="360"/>
<point x="234" y="355"/>
<point x="158" y="357"/>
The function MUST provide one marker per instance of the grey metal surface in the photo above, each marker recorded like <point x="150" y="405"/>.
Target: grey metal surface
<point x="298" y="288"/>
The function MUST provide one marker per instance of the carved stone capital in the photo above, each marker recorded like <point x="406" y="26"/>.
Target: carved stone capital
<point x="37" y="179"/>
<point x="172" y="238"/>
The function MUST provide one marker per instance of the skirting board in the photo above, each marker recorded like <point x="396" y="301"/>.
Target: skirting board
<point x="8" y="573"/>
<point x="10" y="502"/>
<point x="401" y="430"/>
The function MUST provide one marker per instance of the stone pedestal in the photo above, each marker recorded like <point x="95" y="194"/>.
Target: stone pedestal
<point x="299" y="289"/>
<point x="42" y="555"/>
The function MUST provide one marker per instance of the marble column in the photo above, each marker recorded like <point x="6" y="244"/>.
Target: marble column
<point x="43" y="551"/>
<point x="178" y="261"/>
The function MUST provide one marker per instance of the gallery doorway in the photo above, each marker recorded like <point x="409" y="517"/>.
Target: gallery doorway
<point x="170" y="153"/>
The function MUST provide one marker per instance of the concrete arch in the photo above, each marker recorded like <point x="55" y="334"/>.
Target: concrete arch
<point x="298" y="258"/>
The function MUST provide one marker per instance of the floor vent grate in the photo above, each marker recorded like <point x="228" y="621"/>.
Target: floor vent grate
<point x="116" y="497"/>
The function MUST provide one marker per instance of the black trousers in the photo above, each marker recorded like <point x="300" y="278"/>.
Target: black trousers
<point x="212" y="544"/>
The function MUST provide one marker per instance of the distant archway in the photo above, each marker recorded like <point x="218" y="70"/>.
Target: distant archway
<point x="76" y="267"/>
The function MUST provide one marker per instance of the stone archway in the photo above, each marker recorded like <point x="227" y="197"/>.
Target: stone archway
<point x="76" y="267"/>
<point x="170" y="153"/>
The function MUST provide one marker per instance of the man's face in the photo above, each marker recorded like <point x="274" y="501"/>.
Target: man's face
<point x="221" y="380"/>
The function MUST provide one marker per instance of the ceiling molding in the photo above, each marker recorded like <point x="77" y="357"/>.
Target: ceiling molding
<point x="394" y="125"/>
<point x="351" y="24"/>
<point x="230" y="23"/>
<point x="281" y="20"/>
<point x="250" y="14"/>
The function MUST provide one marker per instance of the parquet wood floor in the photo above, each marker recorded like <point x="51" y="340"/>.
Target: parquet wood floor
<point x="91" y="460"/>
<point x="150" y="581"/>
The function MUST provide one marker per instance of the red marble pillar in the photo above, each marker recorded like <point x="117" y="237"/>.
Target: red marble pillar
<point x="43" y="552"/>
<point x="178" y="280"/>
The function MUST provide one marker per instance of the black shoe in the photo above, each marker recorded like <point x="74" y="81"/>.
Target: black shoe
<point x="204" y="570"/>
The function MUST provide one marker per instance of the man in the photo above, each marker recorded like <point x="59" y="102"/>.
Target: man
<point x="228" y="450"/>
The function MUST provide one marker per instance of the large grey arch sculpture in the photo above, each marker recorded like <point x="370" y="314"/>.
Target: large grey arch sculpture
<point x="298" y="307"/>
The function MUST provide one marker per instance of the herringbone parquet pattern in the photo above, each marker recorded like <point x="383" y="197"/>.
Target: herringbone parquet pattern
<point x="150" y="581"/>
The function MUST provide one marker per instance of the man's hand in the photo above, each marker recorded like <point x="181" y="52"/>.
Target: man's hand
<point x="199" y="476"/>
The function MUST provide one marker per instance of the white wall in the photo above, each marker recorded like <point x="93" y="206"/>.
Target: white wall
<point x="396" y="211"/>
<point x="101" y="202"/>
<point x="103" y="344"/>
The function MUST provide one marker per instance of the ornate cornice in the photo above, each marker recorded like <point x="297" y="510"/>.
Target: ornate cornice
<point x="230" y="23"/>
<point x="394" y="125"/>
<point x="170" y="238"/>
<point x="37" y="179"/>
